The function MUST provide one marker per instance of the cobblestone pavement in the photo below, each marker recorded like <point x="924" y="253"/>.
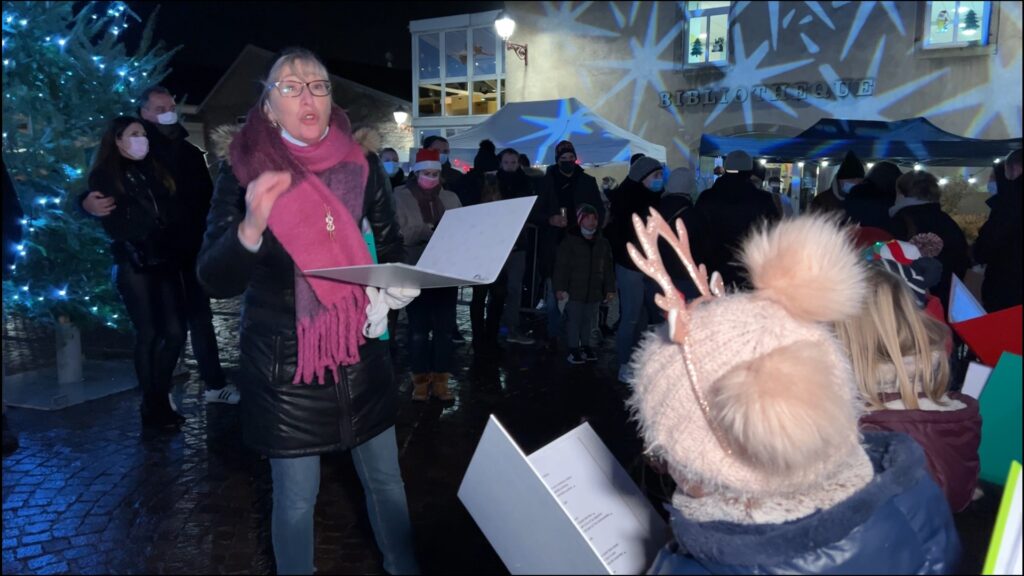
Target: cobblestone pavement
<point x="89" y="493"/>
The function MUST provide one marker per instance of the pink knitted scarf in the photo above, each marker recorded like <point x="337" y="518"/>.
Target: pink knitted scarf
<point x="328" y="177"/>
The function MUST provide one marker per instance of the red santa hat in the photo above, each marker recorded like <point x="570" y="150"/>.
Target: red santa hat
<point x="427" y="159"/>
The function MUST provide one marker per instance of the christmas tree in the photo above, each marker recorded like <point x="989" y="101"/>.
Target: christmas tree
<point x="66" y="74"/>
<point x="971" y="20"/>
<point x="697" y="49"/>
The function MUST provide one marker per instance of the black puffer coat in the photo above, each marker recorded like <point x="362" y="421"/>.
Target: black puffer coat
<point x="281" y="419"/>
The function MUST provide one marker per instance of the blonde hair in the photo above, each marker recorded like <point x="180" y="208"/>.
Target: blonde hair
<point x="291" y="58"/>
<point x="890" y="328"/>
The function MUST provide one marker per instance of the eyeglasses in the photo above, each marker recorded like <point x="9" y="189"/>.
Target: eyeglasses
<point x="293" y="89"/>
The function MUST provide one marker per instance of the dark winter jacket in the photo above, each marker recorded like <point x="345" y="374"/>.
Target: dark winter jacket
<point x="12" y="219"/>
<point x="193" y="186"/>
<point x="559" y="192"/>
<point x="281" y="419"/>
<point x="450" y="177"/>
<point x="516" y="185"/>
<point x="898" y="524"/>
<point x="678" y="207"/>
<point x="584" y="268"/>
<point x="868" y="203"/>
<point x="925" y="218"/>
<point x="398" y="179"/>
<point x="145" y="225"/>
<point x="725" y="214"/>
<point x="999" y="248"/>
<point x="629" y="198"/>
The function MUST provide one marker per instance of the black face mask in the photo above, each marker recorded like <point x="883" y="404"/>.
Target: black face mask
<point x="566" y="167"/>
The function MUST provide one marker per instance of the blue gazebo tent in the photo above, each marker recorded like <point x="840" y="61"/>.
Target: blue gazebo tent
<point x="904" y="141"/>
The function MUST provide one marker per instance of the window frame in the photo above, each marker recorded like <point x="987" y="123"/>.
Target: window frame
<point x="985" y="36"/>
<point x="469" y="78"/>
<point x="705" y="15"/>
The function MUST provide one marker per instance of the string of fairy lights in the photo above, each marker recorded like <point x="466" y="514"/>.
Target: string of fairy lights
<point x="71" y="40"/>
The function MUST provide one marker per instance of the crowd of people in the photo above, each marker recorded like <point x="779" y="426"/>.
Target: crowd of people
<point x="849" y="349"/>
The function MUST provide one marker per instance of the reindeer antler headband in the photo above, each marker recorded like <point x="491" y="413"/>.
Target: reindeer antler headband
<point x="671" y="300"/>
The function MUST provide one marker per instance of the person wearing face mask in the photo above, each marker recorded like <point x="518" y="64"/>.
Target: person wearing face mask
<point x="638" y="194"/>
<point x="1000" y="238"/>
<point x="143" y="226"/>
<point x="583" y="279"/>
<point x="419" y="205"/>
<point x="187" y="164"/>
<point x="917" y="210"/>
<point x="450" y="177"/>
<point x="565" y="186"/>
<point x="295" y="192"/>
<point x="849" y="174"/>
<point x="389" y="158"/>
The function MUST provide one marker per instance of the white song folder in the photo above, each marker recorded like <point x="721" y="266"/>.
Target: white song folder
<point x="469" y="246"/>
<point x="569" y="508"/>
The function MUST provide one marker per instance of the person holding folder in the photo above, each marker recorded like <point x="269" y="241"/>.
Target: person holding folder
<point x="315" y="378"/>
<point x="420" y="204"/>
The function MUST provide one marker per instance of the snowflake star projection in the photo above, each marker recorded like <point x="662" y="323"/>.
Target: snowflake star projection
<point x="864" y="10"/>
<point x="1003" y="102"/>
<point x="564" y="20"/>
<point x="858" y="108"/>
<point x="748" y="68"/>
<point x="644" y="68"/>
<point x="561" y="127"/>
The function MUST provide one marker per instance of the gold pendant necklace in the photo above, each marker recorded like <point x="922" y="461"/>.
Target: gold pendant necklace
<point x="330" y="221"/>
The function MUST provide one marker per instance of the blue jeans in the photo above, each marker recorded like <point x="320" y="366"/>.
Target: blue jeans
<point x="630" y="284"/>
<point x="432" y="312"/>
<point x="297" y="483"/>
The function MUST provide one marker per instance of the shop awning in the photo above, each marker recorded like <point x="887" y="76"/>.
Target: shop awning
<point x="534" y="128"/>
<point x="905" y="141"/>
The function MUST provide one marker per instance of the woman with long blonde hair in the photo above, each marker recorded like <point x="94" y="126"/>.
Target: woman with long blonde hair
<point x="901" y="368"/>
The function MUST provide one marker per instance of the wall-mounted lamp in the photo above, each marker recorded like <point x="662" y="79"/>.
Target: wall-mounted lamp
<point x="800" y="164"/>
<point x="943" y="181"/>
<point x="824" y="163"/>
<point x="917" y="167"/>
<point x="764" y="161"/>
<point x="401" y="115"/>
<point x="871" y="165"/>
<point x="505" y="26"/>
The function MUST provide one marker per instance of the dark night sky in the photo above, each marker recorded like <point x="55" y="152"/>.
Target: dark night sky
<point x="213" y="33"/>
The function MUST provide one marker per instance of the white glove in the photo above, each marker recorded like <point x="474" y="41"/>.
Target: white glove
<point x="376" y="314"/>
<point x="398" y="298"/>
<point x="382" y="301"/>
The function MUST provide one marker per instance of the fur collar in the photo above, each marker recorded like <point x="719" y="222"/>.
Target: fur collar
<point x="221" y="137"/>
<point x="899" y="466"/>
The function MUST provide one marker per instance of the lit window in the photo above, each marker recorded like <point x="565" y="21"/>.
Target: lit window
<point x="953" y="24"/>
<point x="707" y="38"/>
<point x="459" y="72"/>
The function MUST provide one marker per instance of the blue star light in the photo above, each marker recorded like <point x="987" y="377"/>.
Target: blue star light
<point x="644" y="68"/>
<point x="748" y="68"/>
<point x="554" y="130"/>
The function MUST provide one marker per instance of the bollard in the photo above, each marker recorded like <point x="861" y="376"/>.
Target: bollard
<point x="69" y="352"/>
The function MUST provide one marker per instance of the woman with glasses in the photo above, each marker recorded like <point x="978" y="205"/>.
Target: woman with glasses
<point x="297" y="192"/>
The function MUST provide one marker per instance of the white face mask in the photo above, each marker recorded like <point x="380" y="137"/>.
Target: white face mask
<point x="138" y="147"/>
<point x="167" y="118"/>
<point x="993" y="188"/>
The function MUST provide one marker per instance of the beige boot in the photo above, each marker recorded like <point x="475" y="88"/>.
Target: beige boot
<point x="421" y="387"/>
<point x="439" y="386"/>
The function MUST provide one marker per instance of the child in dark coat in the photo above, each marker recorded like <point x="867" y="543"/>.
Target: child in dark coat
<point x="584" y="278"/>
